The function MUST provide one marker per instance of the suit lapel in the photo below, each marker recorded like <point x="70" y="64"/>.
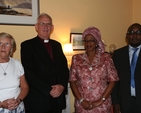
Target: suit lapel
<point x="138" y="64"/>
<point x="126" y="57"/>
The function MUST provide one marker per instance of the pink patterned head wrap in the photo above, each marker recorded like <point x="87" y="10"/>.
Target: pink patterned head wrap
<point x="96" y="33"/>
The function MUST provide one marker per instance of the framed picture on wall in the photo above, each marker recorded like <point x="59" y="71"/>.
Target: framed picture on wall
<point x="19" y="12"/>
<point x="76" y="41"/>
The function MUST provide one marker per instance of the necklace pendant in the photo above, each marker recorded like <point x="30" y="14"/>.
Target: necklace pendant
<point x="90" y="68"/>
<point x="4" y="73"/>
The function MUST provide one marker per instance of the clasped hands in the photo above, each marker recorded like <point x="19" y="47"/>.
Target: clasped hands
<point x="10" y="104"/>
<point x="87" y="105"/>
<point x="56" y="90"/>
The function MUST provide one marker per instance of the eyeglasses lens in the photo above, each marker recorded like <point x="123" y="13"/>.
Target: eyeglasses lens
<point x="134" y="32"/>
<point x="91" y="41"/>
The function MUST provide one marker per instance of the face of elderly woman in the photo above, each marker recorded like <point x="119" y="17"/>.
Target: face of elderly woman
<point x="90" y="42"/>
<point x="5" y="47"/>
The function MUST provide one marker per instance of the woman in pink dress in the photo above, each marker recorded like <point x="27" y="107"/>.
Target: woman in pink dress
<point x="92" y="75"/>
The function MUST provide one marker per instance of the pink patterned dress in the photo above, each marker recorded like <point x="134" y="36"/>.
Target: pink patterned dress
<point x="92" y="80"/>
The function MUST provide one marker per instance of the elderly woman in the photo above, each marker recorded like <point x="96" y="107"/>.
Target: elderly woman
<point x="92" y="75"/>
<point x="13" y="86"/>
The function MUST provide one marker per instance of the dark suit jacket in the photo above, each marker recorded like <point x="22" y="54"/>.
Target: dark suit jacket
<point x="121" y="93"/>
<point x="41" y="73"/>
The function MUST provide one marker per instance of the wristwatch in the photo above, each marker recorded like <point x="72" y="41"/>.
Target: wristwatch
<point x="103" y="98"/>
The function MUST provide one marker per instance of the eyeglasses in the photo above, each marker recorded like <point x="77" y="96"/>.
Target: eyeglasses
<point x="45" y="24"/>
<point x="4" y="44"/>
<point x="134" y="32"/>
<point x="91" y="41"/>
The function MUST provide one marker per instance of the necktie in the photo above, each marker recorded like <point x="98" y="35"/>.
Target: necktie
<point x="133" y="65"/>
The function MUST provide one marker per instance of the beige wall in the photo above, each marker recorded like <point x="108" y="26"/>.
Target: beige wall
<point x="137" y="11"/>
<point x="112" y="17"/>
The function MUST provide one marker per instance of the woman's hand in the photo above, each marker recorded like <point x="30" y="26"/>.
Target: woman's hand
<point x="86" y="105"/>
<point x="5" y="104"/>
<point x="97" y="103"/>
<point x="13" y="103"/>
<point x="10" y="104"/>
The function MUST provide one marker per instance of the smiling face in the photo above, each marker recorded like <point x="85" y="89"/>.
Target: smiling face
<point x="5" y="48"/>
<point x="133" y="35"/>
<point x="44" y="27"/>
<point x="90" y="42"/>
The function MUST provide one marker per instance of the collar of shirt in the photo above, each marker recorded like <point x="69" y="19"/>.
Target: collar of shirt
<point x="43" y="40"/>
<point x="46" y="41"/>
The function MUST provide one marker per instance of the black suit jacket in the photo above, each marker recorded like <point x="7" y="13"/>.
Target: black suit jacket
<point x="42" y="72"/>
<point x="121" y="93"/>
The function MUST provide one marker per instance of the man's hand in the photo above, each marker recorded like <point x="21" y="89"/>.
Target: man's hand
<point x="116" y="108"/>
<point x="56" y="90"/>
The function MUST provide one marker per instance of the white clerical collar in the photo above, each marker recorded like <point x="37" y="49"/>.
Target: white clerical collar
<point x="46" y="41"/>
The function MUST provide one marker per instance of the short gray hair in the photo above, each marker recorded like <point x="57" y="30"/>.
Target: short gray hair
<point x="13" y="42"/>
<point x="44" y="15"/>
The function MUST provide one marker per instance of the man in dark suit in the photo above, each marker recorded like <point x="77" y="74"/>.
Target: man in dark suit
<point x="46" y="70"/>
<point x="126" y="95"/>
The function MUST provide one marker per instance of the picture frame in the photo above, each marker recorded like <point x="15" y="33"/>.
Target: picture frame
<point x="76" y="41"/>
<point x="19" y="12"/>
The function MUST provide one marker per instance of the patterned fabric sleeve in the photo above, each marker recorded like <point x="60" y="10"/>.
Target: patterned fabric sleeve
<point x="73" y="69"/>
<point x="111" y="70"/>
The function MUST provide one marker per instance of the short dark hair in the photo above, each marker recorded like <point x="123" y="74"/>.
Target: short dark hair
<point x="135" y="24"/>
